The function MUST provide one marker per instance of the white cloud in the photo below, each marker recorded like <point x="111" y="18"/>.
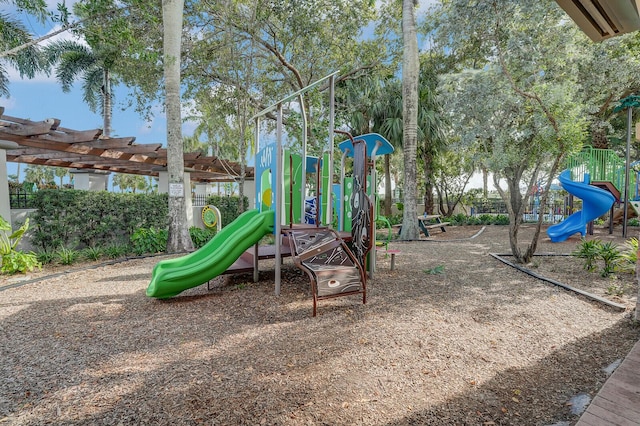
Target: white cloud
<point x="9" y="103"/>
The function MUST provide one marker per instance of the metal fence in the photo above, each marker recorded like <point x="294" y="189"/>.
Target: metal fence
<point x="20" y="198"/>
<point x="553" y="211"/>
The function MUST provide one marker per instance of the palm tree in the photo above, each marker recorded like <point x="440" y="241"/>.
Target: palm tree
<point x="368" y="104"/>
<point x="27" y="61"/>
<point x="60" y="172"/>
<point x="179" y="239"/>
<point x="72" y="60"/>
<point x="410" y="78"/>
<point x="40" y="175"/>
<point x="430" y="124"/>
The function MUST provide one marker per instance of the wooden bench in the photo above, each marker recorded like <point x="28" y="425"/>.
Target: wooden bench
<point x="440" y="225"/>
<point x="425" y="227"/>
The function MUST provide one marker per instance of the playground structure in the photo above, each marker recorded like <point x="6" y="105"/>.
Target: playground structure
<point x="597" y="176"/>
<point x="334" y="259"/>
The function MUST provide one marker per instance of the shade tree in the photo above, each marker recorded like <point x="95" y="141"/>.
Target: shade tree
<point x="517" y="103"/>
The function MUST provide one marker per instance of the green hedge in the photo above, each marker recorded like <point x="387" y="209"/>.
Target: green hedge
<point x="68" y="217"/>
<point x="228" y="207"/>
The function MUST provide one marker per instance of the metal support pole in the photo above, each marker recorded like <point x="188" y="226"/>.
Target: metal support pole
<point x="626" y="172"/>
<point x="278" y="200"/>
<point x="332" y="112"/>
<point x="374" y="198"/>
<point x="303" y="187"/>
<point x="342" y="197"/>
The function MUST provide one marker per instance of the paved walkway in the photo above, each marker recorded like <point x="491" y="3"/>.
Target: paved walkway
<point x="618" y="402"/>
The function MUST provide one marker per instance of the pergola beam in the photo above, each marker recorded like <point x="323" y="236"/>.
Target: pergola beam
<point x="45" y="143"/>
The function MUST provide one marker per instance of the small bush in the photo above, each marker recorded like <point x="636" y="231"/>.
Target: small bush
<point x="66" y="256"/>
<point x="18" y="261"/>
<point x="12" y="260"/>
<point x="200" y="236"/>
<point x="45" y="256"/>
<point x="149" y="240"/>
<point x="116" y="251"/>
<point x="92" y="253"/>
<point x="610" y="254"/>
<point x="458" y="219"/>
<point x="593" y="250"/>
<point x="501" y="219"/>
<point x="588" y="250"/>
<point x="485" y="219"/>
<point x="629" y="256"/>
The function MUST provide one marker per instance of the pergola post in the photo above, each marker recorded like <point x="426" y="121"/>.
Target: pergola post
<point x="5" y="207"/>
<point x="5" y="204"/>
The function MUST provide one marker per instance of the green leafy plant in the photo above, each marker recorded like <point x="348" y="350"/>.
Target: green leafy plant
<point x="149" y="240"/>
<point x="18" y="261"/>
<point x="67" y="256"/>
<point x="435" y="271"/>
<point x="589" y="250"/>
<point x="12" y="260"/>
<point x="628" y="256"/>
<point x="610" y="254"/>
<point x="616" y="289"/>
<point x="45" y="256"/>
<point x="116" y="251"/>
<point x="501" y="219"/>
<point x="92" y="253"/>
<point x="200" y="236"/>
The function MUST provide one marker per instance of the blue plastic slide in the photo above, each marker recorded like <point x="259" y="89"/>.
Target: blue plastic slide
<point x="595" y="203"/>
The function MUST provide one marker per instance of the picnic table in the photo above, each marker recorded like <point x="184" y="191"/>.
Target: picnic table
<point x="427" y="222"/>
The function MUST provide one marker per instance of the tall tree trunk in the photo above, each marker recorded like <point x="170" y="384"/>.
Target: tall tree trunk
<point x="485" y="183"/>
<point x="179" y="239"/>
<point x="410" y="72"/>
<point x="429" y="204"/>
<point x="387" y="185"/>
<point x="106" y="103"/>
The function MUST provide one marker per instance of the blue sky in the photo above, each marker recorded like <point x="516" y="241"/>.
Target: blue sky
<point x="42" y="97"/>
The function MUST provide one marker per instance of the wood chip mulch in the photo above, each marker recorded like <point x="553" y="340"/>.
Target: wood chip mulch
<point x="451" y="336"/>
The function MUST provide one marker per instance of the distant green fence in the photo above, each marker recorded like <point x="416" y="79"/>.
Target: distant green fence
<point x="603" y="165"/>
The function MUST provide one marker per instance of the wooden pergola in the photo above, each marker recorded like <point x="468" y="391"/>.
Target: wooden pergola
<point x="46" y="143"/>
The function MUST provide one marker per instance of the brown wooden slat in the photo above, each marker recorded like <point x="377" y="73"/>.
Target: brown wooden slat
<point x="46" y="143"/>
<point x="30" y="129"/>
<point x="621" y="405"/>
<point x="108" y="143"/>
<point x="72" y="137"/>
<point x="589" y="419"/>
<point x="612" y="417"/>
<point x="618" y="401"/>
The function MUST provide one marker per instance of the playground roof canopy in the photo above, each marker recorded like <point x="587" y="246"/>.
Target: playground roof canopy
<point x="46" y="143"/>
<point x="371" y="140"/>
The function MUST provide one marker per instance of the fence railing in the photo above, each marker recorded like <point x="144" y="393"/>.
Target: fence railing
<point x="603" y="165"/>
<point x="20" y="198"/>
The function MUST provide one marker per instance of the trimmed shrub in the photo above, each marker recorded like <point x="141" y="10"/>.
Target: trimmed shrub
<point x="228" y="207"/>
<point x="68" y="217"/>
<point x="200" y="236"/>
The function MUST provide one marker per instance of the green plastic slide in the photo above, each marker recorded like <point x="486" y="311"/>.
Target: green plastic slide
<point x="173" y="276"/>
